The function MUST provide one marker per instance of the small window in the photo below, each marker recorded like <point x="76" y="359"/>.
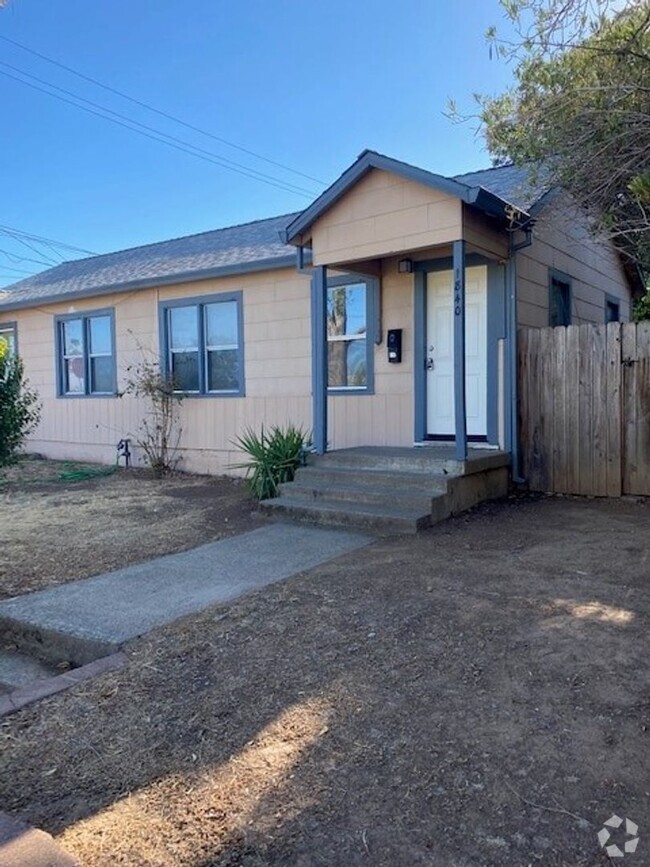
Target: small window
<point x="204" y="345"/>
<point x="559" y="300"/>
<point x="86" y="354"/>
<point x="349" y="351"/>
<point x="8" y="332"/>
<point x="612" y="310"/>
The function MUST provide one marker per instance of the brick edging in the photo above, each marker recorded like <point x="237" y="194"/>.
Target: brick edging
<point x="25" y="695"/>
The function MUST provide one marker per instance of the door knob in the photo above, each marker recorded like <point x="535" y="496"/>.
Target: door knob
<point x="430" y="365"/>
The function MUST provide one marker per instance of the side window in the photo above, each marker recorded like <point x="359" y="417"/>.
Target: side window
<point x="349" y="348"/>
<point x="8" y="332"/>
<point x="86" y="354"/>
<point x="612" y="310"/>
<point x="203" y="346"/>
<point x="559" y="307"/>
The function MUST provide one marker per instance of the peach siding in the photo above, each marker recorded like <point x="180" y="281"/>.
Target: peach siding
<point x="382" y="215"/>
<point x="277" y="347"/>
<point x="562" y="241"/>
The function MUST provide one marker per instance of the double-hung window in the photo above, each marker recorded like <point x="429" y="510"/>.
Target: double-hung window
<point x="8" y="332"/>
<point x="350" y="306"/>
<point x="203" y="344"/>
<point x="86" y="354"/>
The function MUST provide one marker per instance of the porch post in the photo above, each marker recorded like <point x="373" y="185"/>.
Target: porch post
<point x="319" y="358"/>
<point x="460" y="406"/>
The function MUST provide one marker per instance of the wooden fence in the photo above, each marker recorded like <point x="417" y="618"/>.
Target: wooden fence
<point x="584" y="409"/>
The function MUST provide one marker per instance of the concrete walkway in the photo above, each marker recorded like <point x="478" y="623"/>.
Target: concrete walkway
<point x="109" y="609"/>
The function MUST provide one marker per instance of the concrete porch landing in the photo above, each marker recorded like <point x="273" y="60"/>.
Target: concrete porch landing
<point x="391" y="490"/>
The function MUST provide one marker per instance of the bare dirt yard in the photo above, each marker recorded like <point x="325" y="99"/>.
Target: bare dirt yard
<point x="62" y="521"/>
<point x="478" y="695"/>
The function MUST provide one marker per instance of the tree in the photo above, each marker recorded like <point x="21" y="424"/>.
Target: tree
<point x="19" y="405"/>
<point x="580" y="108"/>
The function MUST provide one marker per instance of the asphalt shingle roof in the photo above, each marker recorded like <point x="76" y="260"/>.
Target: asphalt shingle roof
<point x="247" y="247"/>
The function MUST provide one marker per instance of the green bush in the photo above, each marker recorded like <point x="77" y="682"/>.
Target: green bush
<point x="20" y="409"/>
<point x="274" y="457"/>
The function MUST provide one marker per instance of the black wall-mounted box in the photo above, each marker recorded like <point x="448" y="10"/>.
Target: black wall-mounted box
<point x="394" y="345"/>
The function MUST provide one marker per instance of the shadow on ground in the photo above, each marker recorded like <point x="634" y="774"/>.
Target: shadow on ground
<point x="476" y="696"/>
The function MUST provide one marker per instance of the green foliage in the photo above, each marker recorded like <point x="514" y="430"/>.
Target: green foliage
<point x="581" y="108"/>
<point x="159" y="432"/>
<point x="274" y="457"/>
<point x="641" y="308"/>
<point x="20" y="408"/>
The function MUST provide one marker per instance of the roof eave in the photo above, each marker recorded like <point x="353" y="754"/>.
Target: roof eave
<point x="268" y="264"/>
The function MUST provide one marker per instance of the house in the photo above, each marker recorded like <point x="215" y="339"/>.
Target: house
<point x="385" y="314"/>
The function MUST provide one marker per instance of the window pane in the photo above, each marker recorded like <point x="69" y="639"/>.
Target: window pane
<point x="9" y="335"/>
<point x="183" y="328"/>
<point x="100" y="335"/>
<point x="185" y="370"/>
<point x="101" y="374"/>
<point x="223" y="370"/>
<point x="73" y="343"/>
<point x="560" y="303"/>
<point x="74" y="376"/>
<point x="347" y="364"/>
<point x="346" y="310"/>
<point x="221" y="324"/>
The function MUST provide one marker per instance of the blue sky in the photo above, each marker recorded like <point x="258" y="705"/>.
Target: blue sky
<point x="306" y="85"/>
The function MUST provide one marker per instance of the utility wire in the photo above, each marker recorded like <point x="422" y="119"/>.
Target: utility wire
<point x="150" y="132"/>
<point x="158" y="111"/>
<point x="49" y="241"/>
<point x="16" y="258"/>
<point x="31" y="247"/>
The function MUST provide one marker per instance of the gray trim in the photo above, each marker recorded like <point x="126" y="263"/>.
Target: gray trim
<point x="561" y="277"/>
<point x="84" y="316"/>
<point x="11" y="326"/>
<point x="478" y="196"/>
<point x="460" y="402"/>
<point x="372" y="339"/>
<point x="319" y="358"/>
<point x="279" y="263"/>
<point x="201" y="301"/>
<point x="447" y="263"/>
<point x="496" y="330"/>
<point x="419" y="354"/>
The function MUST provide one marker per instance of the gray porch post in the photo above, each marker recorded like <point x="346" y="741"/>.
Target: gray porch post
<point x="460" y="404"/>
<point x="319" y="358"/>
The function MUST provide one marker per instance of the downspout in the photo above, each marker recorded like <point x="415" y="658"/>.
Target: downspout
<point x="512" y="344"/>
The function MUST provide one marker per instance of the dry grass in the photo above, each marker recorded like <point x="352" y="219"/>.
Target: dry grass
<point x="438" y="700"/>
<point x="57" y="530"/>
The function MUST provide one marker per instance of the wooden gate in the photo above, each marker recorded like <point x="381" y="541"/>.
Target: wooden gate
<point x="584" y="409"/>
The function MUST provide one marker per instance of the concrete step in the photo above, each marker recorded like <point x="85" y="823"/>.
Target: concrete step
<point x="322" y="475"/>
<point x="388" y="495"/>
<point x="363" y="516"/>
<point x="17" y="669"/>
<point x="424" y="460"/>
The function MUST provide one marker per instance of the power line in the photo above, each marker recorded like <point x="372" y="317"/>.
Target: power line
<point x="16" y="258"/>
<point x="18" y="270"/>
<point x="30" y="246"/>
<point x="49" y="241"/>
<point x="151" y="132"/>
<point x="160" y="112"/>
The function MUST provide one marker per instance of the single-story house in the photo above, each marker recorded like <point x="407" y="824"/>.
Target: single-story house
<point x="384" y="314"/>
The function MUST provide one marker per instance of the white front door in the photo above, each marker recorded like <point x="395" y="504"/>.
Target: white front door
<point x="440" y="352"/>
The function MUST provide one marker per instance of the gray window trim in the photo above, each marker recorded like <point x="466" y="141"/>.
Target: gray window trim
<point x="373" y="329"/>
<point x="560" y="276"/>
<point x="84" y="315"/>
<point x="609" y="299"/>
<point x="200" y="301"/>
<point x="13" y="327"/>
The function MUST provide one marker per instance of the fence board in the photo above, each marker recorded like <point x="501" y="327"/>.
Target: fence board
<point x="614" y="407"/>
<point x="585" y="409"/>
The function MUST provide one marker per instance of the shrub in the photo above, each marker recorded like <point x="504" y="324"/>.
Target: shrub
<point x="159" y="433"/>
<point x="20" y="408"/>
<point x="274" y="457"/>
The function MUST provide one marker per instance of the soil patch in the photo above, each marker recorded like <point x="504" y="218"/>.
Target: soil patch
<point x="478" y="695"/>
<point x="64" y="522"/>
